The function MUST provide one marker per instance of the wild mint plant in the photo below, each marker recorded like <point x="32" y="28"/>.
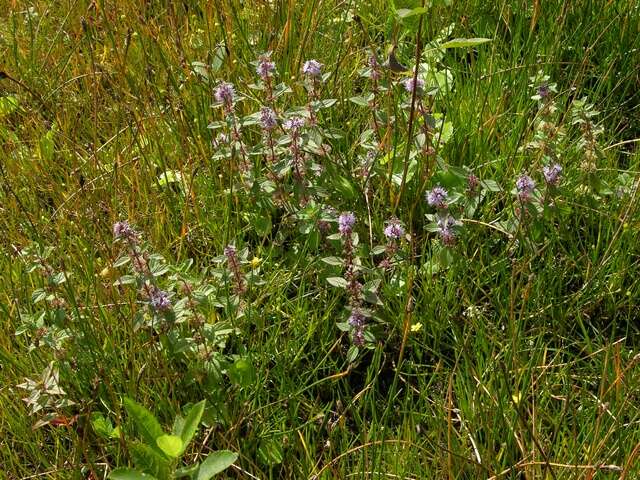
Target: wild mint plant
<point x="46" y="399"/>
<point x="47" y="323"/>
<point x="157" y="455"/>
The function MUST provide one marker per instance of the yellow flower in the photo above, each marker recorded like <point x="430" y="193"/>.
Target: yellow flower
<point x="255" y="262"/>
<point x="416" y="327"/>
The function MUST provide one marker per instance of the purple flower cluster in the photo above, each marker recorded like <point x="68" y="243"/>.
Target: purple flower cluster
<point x="543" y="91"/>
<point x="394" y="230"/>
<point x="446" y="231"/>
<point x="293" y="124"/>
<point x="266" y="68"/>
<point x="159" y="299"/>
<point x="409" y="84"/>
<point x="375" y="67"/>
<point x="473" y="183"/>
<point x="312" y="68"/>
<point x="225" y="94"/>
<point x="525" y="186"/>
<point x="437" y="197"/>
<point x="124" y="231"/>
<point x="346" y="221"/>
<point x="357" y="322"/>
<point x="268" y="119"/>
<point x="552" y="174"/>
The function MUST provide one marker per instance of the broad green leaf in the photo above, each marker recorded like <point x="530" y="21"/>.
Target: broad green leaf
<point x="191" y="423"/>
<point x="103" y="426"/>
<point x="216" y="463"/>
<point x="219" y="55"/>
<point x="129" y="474"/>
<point x="464" y="42"/>
<point x="149" y="459"/>
<point x="407" y="12"/>
<point x="189" y="471"/>
<point x="242" y="372"/>
<point x="171" y="445"/>
<point x="337" y="282"/>
<point x="335" y="261"/>
<point x="8" y="105"/>
<point x="147" y="425"/>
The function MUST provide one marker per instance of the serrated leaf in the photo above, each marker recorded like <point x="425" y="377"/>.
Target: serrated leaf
<point x="337" y="282"/>
<point x="335" y="261"/>
<point x="363" y="102"/>
<point x="215" y="463"/>
<point x="464" y="42"/>
<point x="171" y="445"/>
<point x="129" y="474"/>
<point x="490" y="185"/>
<point x="352" y="354"/>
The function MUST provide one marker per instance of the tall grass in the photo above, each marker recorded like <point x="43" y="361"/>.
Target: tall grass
<point x="522" y="360"/>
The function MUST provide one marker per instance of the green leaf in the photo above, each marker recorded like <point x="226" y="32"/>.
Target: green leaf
<point x="464" y="42"/>
<point x="191" y="423"/>
<point x="362" y="101"/>
<point x="149" y="459"/>
<point x="103" y="426"/>
<point x="219" y="55"/>
<point x="147" y="425"/>
<point x="352" y="354"/>
<point x="242" y="372"/>
<point x="490" y="185"/>
<point x="129" y="474"/>
<point x="171" y="445"/>
<point x="337" y="282"/>
<point x="8" y="104"/>
<point x="406" y="12"/>
<point x="47" y="145"/>
<point x="189" y="471"/>
<point x="216" y="463"/>
<point x="335" y="261"/>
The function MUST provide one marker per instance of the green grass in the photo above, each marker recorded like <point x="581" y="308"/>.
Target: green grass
<point x="526" y="365"/>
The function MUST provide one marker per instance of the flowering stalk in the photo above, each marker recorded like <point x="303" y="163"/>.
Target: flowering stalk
<point x="226" y="95"/>
<point x="157" y="299"/>
<point x="294" y="126"/>
<point x="346" y="221"/>
<point x="234" y="266"/>
<point x="312" y="70"/>
<point x="266" y="70"/>
<point x="394" y="231"/>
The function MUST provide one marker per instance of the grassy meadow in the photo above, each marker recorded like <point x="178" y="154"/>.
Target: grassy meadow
<point x="320" y="239"/>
